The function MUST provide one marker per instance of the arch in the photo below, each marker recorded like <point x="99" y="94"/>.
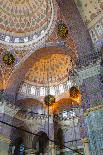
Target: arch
<point x="76" y="26"/>
<point x="29" y="101"/>
<point x="18" y="74"/>
<point x="17" y="134"/>
<point x="17" y="141"/>
<point x="17" y="146"/>
<point x="40" y="142"/>
<point x="26" y="103"/>
<point x="20" y="139"/>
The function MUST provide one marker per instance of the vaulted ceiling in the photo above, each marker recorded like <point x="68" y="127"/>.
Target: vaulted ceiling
<point x="29" y="25"/>
<point x="23" y="21"/>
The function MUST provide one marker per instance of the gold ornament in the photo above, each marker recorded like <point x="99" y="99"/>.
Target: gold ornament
<point x="74" y="92"/>
<point x="49" y="100"/>
<point x="8" y="58"/>
<point x="62" y="30"/>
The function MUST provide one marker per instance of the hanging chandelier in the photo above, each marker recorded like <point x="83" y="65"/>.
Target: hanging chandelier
<point x="62" y="30"/>
<point x="49" y="100"/>
<point x="8" y="58"/>
<point x="74" y="92"/>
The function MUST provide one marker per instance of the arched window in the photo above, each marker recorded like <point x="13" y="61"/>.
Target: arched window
<point x="33" y="90"/>
<point x="52" y="90"/>
<point x="61" y="88"/>
<point x="42" y="91"/>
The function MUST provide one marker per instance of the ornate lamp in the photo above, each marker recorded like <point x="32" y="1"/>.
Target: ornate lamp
<point x="49" y="100"/>
<point x="74" y="92"/>
<point x="62" y="30"/>
<point x="8" y="58"/>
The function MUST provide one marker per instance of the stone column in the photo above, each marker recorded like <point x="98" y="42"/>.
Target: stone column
<point x="52" y="148"/>
<point x="58" y="135"/>
<point x="86" y="146"/>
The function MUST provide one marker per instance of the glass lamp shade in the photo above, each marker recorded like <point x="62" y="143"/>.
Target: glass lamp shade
<point x="8" y="58"/>
<point x="74" y="92"/>
<point x="49" y="100"/>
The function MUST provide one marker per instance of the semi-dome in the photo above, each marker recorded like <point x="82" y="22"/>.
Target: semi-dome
<point x="49" y="70"/>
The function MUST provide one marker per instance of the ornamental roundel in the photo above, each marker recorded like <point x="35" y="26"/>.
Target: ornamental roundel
<point x="23" y="21"/>
<point x="8" y="58"/>
<point x="62" y="30"/>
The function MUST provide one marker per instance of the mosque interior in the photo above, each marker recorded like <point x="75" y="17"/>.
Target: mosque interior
<point x="51" y="77"/>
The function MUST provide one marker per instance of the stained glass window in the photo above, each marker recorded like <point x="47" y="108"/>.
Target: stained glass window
<point x="61" y="88"/>
<point x="33" y="90"/>
<point x="42" y="91"/>
<point x="52" y="90"/>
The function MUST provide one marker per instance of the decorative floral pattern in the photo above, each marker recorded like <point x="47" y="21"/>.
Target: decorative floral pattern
<point x="89" y="9"/>
<point x="49" y="69"/>
<point x="23" y="21"/>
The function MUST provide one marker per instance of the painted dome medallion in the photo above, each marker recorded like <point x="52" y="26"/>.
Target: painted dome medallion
<point x="25" y="21"/>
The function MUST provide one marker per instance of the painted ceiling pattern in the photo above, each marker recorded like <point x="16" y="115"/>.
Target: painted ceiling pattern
<point x="22" y="21"/>
<point x="90" y="9"/>
<point x="49" y="70"/>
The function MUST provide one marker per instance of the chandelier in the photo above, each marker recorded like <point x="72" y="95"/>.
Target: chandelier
<point x="74" y="92"/>
<point x="8" y="58"/>
<point x="62" y="30"/>
<point x="49" y="100"/>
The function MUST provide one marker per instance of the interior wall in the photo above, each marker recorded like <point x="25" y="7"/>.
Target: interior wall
<point x="92" y="14"/>
<point x="4" y="148"/>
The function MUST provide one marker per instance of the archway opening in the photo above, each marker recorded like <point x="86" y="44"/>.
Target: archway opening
<point x="40" y="143"/>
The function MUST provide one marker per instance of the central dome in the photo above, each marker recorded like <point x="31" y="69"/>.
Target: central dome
<point x="25" y="20"/>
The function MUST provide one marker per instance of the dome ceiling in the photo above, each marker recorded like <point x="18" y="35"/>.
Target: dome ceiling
<point x="50" y="69"/>
<point x="22" y="21"/>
